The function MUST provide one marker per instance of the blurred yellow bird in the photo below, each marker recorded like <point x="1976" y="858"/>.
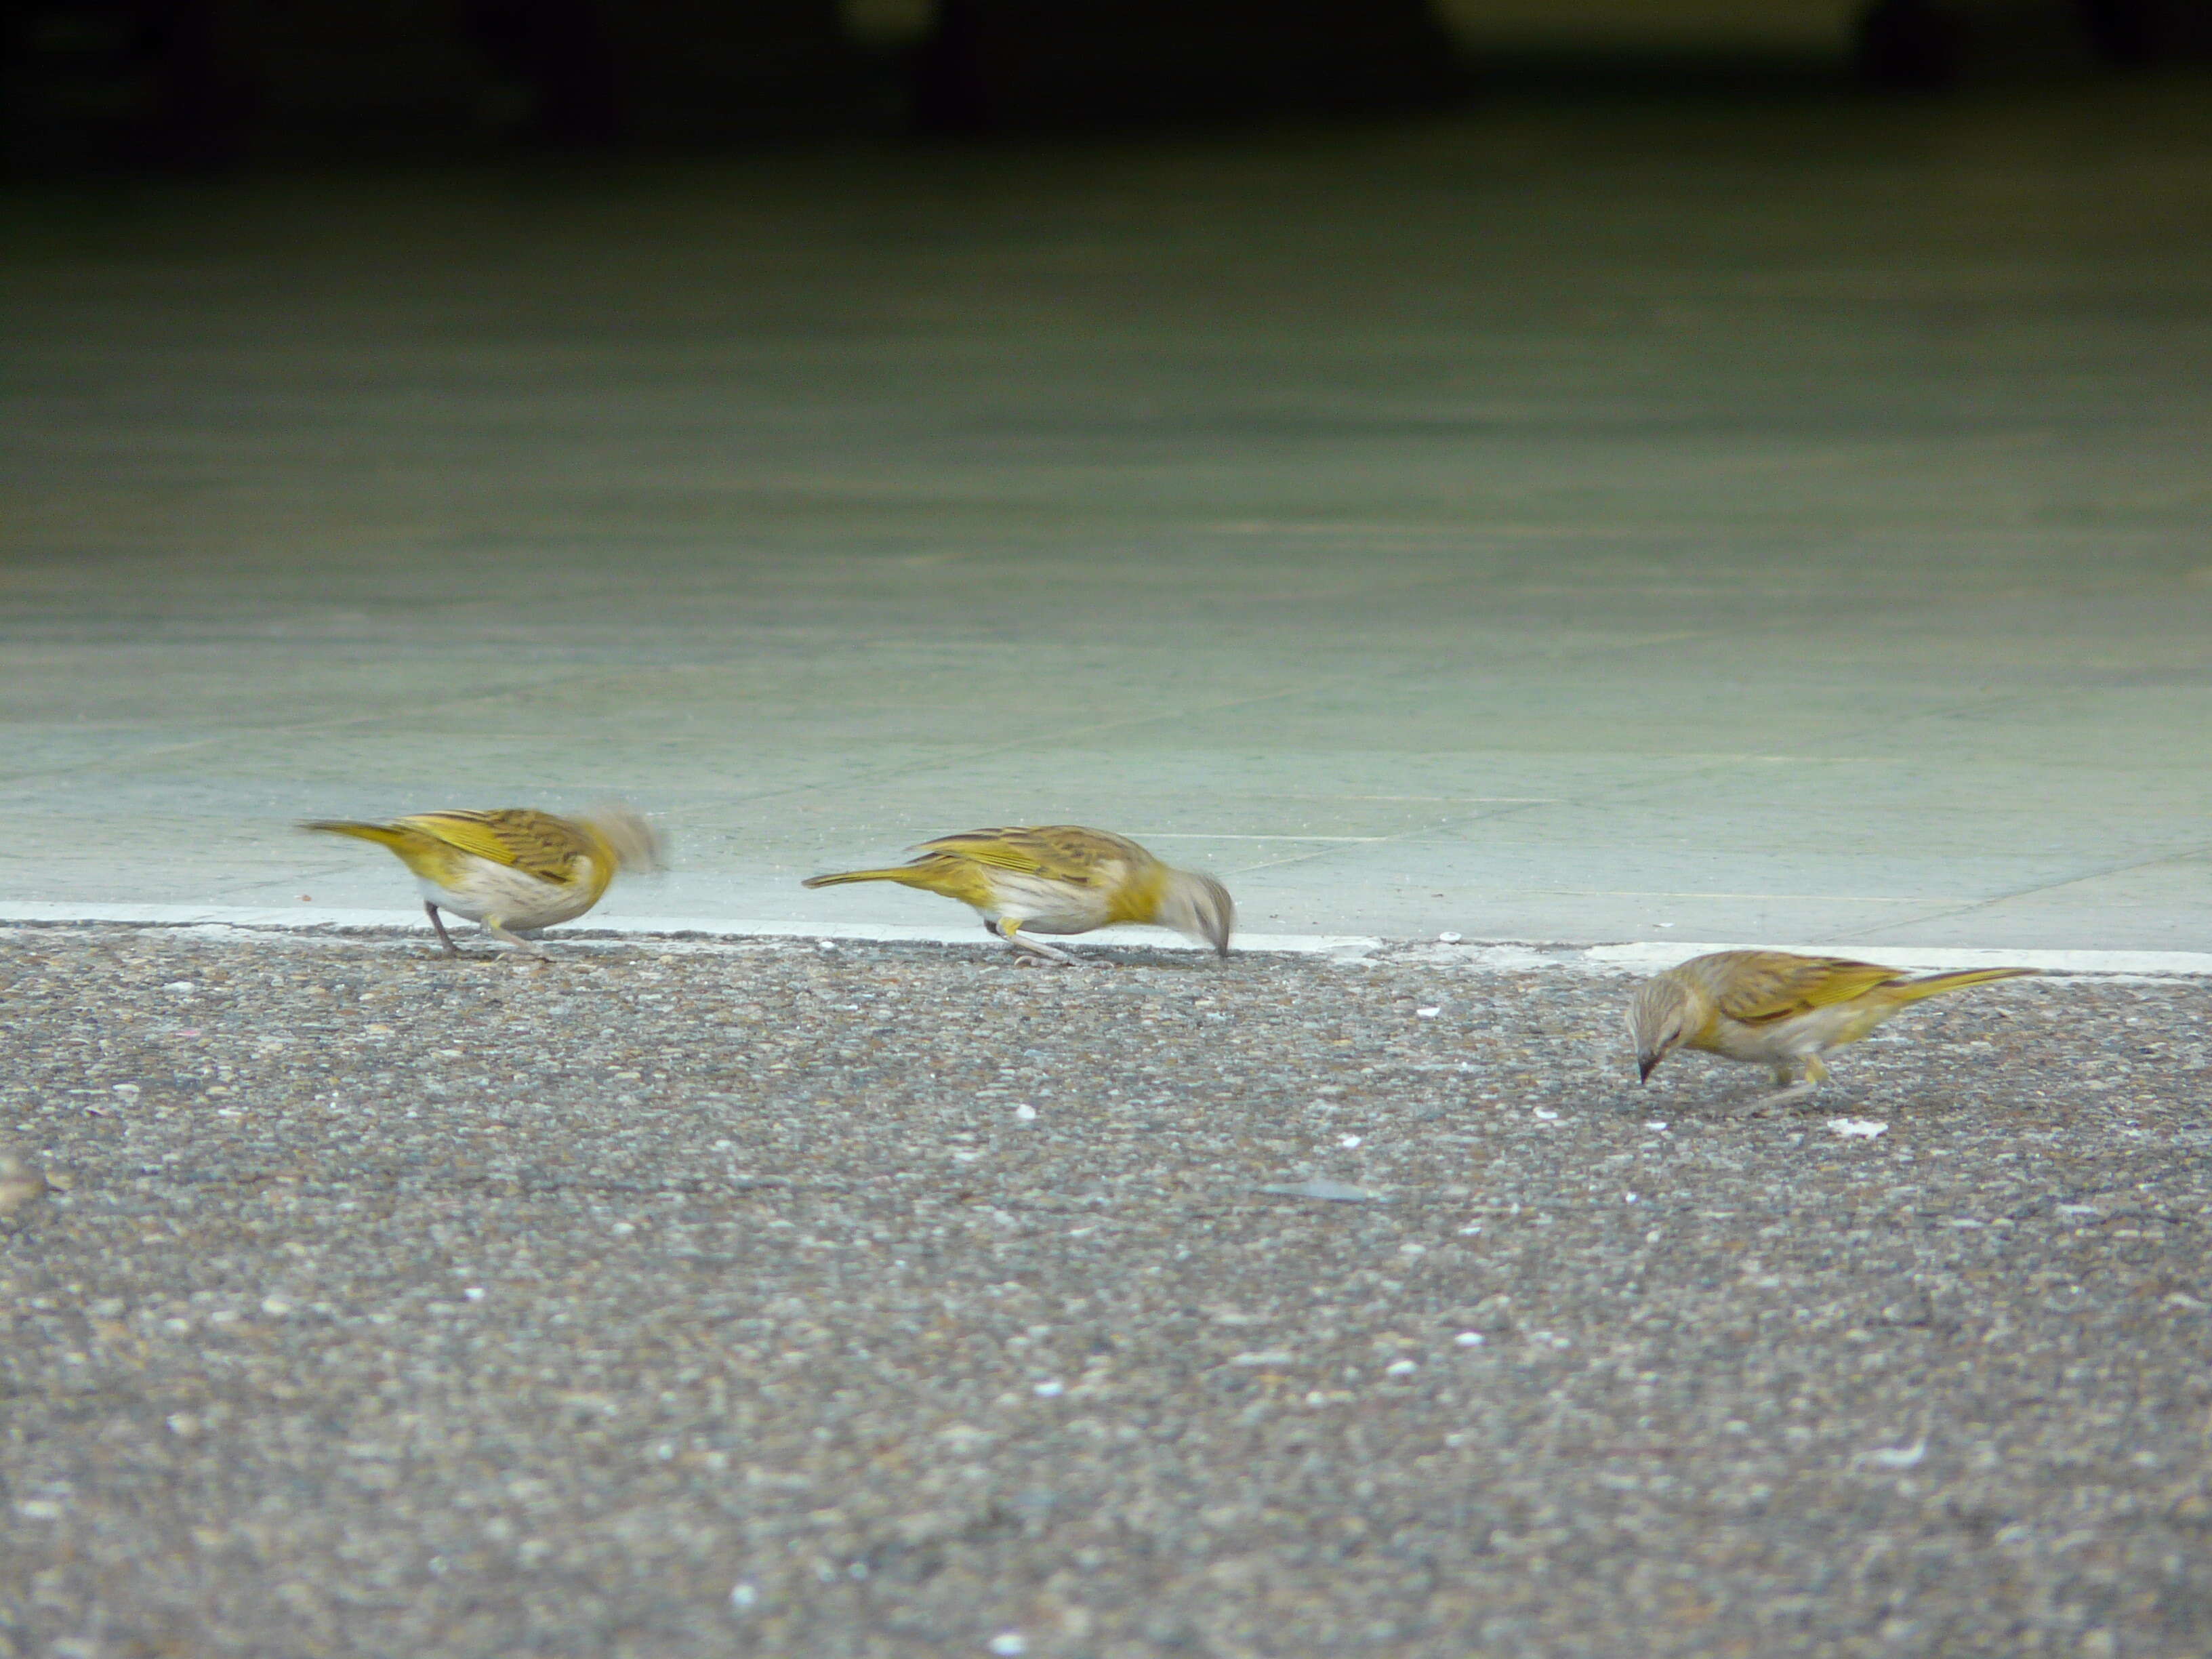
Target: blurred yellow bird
<point x="511" y="868"/>
<point x="1059" y="879"/>
<point x="1770" y="1008"/>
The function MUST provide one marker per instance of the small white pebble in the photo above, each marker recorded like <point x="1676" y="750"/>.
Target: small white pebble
<point x="1899" y="1457"/>
<point x="275" y="1306"/>
<point x="1472" y="1228"/>
<point x="128" y="1090"/>
<point x="475" y="1293"/>
<point x="1051" y="1388"/>
<point x="1628" y="1198"/>
<point x="1413" y="1250"/>
<point x="1400" y="1368"/>
<point x="1663" y="924"/>
<point x="623" y="1229"/>
<point x="743" y="1595"/>
<point x="1008" y="1643"/>
<point x="1026" y="1112"/>
<point x="1859" y="1129"/>
<point x="1468" y="1340"/>
<point x="1548" y="1117"/>
<point x="1347" y="1141"/>
<point x="1448" y="938"/>
<point x="1657" y="1125"/>
<point x="1427" y="1013"/>
<point x="825" y="943"/>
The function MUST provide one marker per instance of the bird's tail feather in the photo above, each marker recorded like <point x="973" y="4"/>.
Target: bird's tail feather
<point x="1936" y="984"/>
<point x="905" y="875"/>
<point x="383" y="834"/>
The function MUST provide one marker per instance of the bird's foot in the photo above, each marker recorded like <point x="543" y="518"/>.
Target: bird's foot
<point x="523" y="947"/>
<point x="1028" y="953"/>
<point x="445" y="939"/>
<point x="1760" y="1105"/>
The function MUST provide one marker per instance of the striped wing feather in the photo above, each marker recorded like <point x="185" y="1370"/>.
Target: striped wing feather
<point x="537" y="843"/>
<point x="1769" y="986"/>
<point x="1059" y="852"/>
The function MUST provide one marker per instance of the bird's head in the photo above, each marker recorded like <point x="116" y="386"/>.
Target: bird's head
<point x="1197" y="906"/>
<point x="1664" y="1012"/>
<point x="636" y="845"/>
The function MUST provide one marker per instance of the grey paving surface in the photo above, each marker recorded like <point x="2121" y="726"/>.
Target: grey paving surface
<point x="1779" y="522"/>
<point x="891" y="1301"/>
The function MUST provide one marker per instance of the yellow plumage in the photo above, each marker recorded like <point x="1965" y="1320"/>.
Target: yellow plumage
<point x="511" y="868"/>
<point x="1058" y="879"/>
<point x="1775" y="1009"/>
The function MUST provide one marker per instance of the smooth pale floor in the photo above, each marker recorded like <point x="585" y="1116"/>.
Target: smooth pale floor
<point x="1778" y="522"/>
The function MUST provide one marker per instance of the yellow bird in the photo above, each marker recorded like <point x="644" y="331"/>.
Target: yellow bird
<point x="511" y="868"/>
<point x="1770" y="1008"/>
<point x="1059" y="879"/>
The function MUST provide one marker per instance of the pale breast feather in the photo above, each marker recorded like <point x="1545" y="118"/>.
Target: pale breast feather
<point x="514" y="897"/>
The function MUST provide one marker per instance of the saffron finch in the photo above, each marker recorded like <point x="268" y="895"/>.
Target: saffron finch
<point x="1059" y="879"/>
<point x="511" y="868"/>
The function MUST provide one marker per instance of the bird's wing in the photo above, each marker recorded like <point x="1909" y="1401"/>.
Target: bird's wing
<point x="1766" y="986"/>
<point x="1059" y="852"/>
<point x="537" y="843"/>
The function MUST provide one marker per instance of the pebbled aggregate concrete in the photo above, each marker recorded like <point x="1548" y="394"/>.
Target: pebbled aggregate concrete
<point x="657" y="1300"/>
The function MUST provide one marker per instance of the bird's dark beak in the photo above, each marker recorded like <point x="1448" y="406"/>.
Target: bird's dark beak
<point x="1645" y="1064"/>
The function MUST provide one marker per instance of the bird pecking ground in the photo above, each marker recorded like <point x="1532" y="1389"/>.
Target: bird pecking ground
<point x="894" y="1301"/>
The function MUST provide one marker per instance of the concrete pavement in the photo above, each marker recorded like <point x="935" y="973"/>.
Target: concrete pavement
<point x="1569" y="525"/>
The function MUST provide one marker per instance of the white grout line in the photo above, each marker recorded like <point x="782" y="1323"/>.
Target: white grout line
<point x="1482" y="955"/>
<point x="279" y="919"/>
<point x="1929" y="958"/>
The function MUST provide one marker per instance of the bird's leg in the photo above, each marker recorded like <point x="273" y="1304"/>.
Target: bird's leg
<point x="438" y="922"/>
<point x="1791" y="1087"/>
<point x="1781" y="1098"/>
<point x="529" y="947"/>
<point x="1029" y="951"/>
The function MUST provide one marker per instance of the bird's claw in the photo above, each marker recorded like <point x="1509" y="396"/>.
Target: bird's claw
<point x="1762" y="1105"/>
